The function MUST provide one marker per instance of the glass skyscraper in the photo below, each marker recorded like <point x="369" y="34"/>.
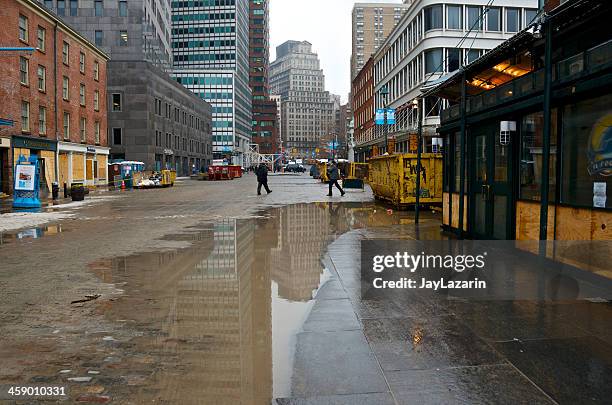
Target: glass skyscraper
<point x="210" y="46"/>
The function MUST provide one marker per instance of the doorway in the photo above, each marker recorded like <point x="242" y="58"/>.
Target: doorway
<point x="491" y="194"/>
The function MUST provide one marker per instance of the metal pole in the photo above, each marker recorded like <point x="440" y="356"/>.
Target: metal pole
<point x="462" y="156"/>
<point x="385" y="129"/>
<point x="418" y="171"/>
<point x="546" y="134"/>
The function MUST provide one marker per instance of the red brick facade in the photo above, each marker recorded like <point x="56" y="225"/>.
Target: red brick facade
<point x="24" y="21"/>
<point x="362" y="90"/>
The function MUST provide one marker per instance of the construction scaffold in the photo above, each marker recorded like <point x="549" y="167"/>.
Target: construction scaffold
<point x="254" y="158"/>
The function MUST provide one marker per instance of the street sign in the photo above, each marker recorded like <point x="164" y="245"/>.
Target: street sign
<point x="391" y="116"/>
<point x="333" y="145"/>
<point x="380" y="116"/>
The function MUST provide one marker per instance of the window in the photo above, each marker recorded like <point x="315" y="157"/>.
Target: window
<point x="49" y="4"/>
<point x="66" y="125"/>
<point x="23" y="28"/>
<point x="454" y="18"/>
<point x="66" y="89"/>
<point x="123" y="38"/>
<point x="98" y="8"/>
<point x="25" y="116"/>
<point x="42" y="120"/>
<point x="585" y="163"/>
<point x="117" y="135"/>
<point x="61" y="7"/>
<point x="24" y="69"/>
<point x="433" y="17"/>
<point x="123" y="8"/>
<point x="473" y="18"/>
<point x="116" y="101"/>
<point x="454" y="59"/>
<point x="433" y="60"/>
<point x="532" y="127"/>
<point x="96" y="70"/>
<point x="513" y="20"/>
<point x="42" y="78"/>
<point x="530" y="15"/>
<point x="41" y="39"/>
<point x="81" y="62"/>
<point x="494" y="19"/>
<point x="96" y="100"/>
<point x="83" y="129"/>
<point x="99" y="37"/>
<point x="97" y="132"/>
<point x="65" y="53"/>
<point x="472" y="55"/>
<point x="74" y="7"/>
<point x="82" y="94"/>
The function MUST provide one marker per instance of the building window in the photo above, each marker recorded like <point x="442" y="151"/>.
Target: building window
<point x="96" y="100"/>
<point x="66" y="125"/>
<point x="81" y="62"/>
<point x="454" y="17"/>
<point x="116" y="102"/>
<point x="23" y="28"/>
<point x="97" y="132"/>
<point x="82" y="94"/>
<point x="585" y="162"/>
<point x="25" y="116"/>
<point x="99" y="37"/>
<point x="123" y="38"/>
<point x="83" y="129"/>
<point x="49" y="4"/>
<point x="96" y="70"/>
<point x="24" y="69"/>
<point x="530" y="15"/>
<point x="433" y="17"/>
<point x="117" y="136"/>
<point x="474" y="18"/>
<point x="98" y="8"/>
<point x="74" y="7"/>
<point x="433" y="60"/>
<point x="454" y="59"/>
<point x="65" y="53"/>
<point x="61" y="7"/>
<point x="41" y="39"/>
<point x="66" y="88"/>
<point x="472" y="55"/>
<point x="513" y="20"/>
<point x="42" y="120"/>
<point x="42" y="78"/>
<point x="494" y="19"/>
<point x="123" y="8"/>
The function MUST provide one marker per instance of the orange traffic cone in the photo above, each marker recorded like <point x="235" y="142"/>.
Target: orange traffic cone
<point x="122" y="184"/>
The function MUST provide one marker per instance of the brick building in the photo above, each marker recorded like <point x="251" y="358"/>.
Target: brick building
<point x="53" y="98"/>
<point x="362" y="89"/>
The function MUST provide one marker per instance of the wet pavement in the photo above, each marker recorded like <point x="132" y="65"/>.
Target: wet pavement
<point x="212" y="295"/>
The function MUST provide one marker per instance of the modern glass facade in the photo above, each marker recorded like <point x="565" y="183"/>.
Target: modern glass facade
<point x="210" y="44"/>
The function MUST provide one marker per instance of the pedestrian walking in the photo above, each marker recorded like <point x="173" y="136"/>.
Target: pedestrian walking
<point x="334" y="175"/>
<point x="262" y="178"/>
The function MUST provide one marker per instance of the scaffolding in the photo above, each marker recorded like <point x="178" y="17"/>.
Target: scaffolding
<point x="254" y="158"/>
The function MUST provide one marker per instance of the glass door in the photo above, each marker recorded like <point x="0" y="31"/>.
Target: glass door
<point x="490" y="194"/>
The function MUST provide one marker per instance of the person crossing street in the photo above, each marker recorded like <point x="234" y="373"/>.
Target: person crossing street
<point x="262" y="178"/>
<point x="334" y="175"/>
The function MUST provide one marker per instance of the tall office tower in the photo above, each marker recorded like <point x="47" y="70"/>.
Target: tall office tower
<point x="150" y="118"/>
<point x="372" y="23"/>
<point x="307" y="109"/>
<point x="210" y="41"/>
<point x="265" y="127"/>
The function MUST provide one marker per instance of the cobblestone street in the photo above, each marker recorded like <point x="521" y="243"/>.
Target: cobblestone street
<point x="209" y="294"/>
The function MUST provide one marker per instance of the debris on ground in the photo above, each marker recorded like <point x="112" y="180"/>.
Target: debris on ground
<point x="89" y="297"/>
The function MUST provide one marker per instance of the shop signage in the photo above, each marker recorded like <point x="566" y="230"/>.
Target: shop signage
<point x="24" y="177"/>
<point x="34" y="143"/>
<point x="91" y="149"/>
<point x="168" y="152"/>
<point x="5" y="143"/>
<point x="600" y="148"/>
<point x="413" y="143"/>
<point x="380" y="116"/>
<point x="391" y="116"/>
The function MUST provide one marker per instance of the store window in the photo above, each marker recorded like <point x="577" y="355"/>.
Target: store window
<point x="532" y="142"/>
<point x="586" y="167"/>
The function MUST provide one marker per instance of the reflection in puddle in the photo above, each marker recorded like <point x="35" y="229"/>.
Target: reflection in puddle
<point x="221" y="317"/>
<point x="32" y="233"/>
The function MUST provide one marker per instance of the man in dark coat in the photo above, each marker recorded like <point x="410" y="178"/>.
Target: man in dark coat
<point x="334" y="175"/>
<point x="262" y="178"/>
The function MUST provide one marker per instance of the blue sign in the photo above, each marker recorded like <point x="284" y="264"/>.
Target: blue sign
<point x="391" y="116"/>
<point x="26" y="185"/>
<point x="332" y="145"/>
<point x="380" y="116"/>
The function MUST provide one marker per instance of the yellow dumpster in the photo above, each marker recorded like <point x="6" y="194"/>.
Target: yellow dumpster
<point x="356" y="175"/>
<point x="393" y="178"/>
<point x="168" y="178"/>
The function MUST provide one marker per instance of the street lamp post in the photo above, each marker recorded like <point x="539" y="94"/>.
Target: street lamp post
<point x="418" y="104"/>
<point x="384" y="92"/>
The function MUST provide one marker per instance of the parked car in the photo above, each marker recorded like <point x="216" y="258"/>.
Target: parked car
<point x="294" y="168"/>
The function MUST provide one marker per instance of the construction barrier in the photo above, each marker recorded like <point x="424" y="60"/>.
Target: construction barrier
<point x="393" y="178"/>
<point x="356" y="175"/>
<point x="235" y="171"/>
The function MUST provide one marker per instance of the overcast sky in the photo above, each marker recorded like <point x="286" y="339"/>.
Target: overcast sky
<point x="326" y="24"/>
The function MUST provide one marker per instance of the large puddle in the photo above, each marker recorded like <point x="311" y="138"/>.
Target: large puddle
<point x="219" y="319"/>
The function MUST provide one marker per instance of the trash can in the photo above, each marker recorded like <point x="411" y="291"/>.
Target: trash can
<point x="77" y="191"/>
<point x="55" y="190"/>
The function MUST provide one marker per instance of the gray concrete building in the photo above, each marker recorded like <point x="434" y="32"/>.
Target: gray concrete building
<point x="151" y="118"/>
<point x="210" y="45"/>
<point x="307" y="110"/>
